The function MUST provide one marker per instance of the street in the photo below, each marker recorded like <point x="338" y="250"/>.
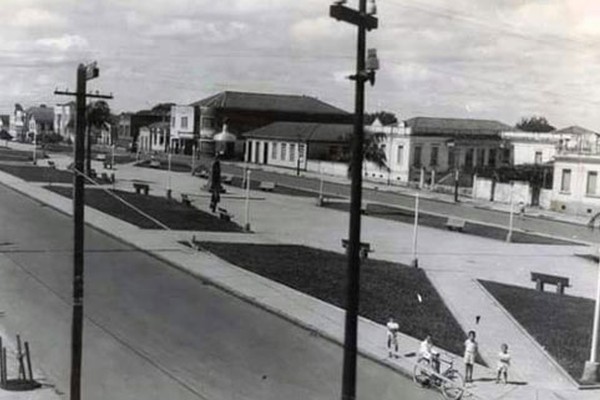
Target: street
<point x="155" y="332"/>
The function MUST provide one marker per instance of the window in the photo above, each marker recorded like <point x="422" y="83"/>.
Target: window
<point x="184" y="122"/>
<point x="451" y="157"/>
<point x="469" y="158"/>
<point x="399" y="154"/>
<point x="480" y="157"/>
<point x="492" y="158"/>
<point x="283" y="151"/>
<point x="417" y="156"/>
<point x="173" y="122"/>
<point x="292" y="152"/>
<point x="207" y="123"/>
<point x="433" y="160"/>
<point x="565" y="183"/>
<point x="301" y="149"/>
<point x="538" y="157"/>
<point x="592" y="180"/>
<point x="506" y="156"/>
<point x="274" y="150"/>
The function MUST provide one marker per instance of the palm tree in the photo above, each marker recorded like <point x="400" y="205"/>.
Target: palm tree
<point x="373" y="151"/>
<point x="97" y="115"/>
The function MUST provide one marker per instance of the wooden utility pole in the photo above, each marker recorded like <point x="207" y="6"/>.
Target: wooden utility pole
<point x="84" y="73"/>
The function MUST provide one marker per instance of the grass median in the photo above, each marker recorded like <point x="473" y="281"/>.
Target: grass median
<point x="387" y="289"/>
<point x="170" y="212"/>
<point x="561" y="324"/>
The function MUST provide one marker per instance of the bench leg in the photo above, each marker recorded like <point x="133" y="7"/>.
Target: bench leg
<point x="539" y="285"/>
<point x="560" y="288"/>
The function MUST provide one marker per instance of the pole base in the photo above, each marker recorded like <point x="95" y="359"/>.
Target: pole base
<point x="247" y="228"/>
<point x="320" y="201"/>
<point x="509" y="238"/>
<point x="169" y="194"/>
<point x="415" y="263"/>
<point x="591" y="372"/>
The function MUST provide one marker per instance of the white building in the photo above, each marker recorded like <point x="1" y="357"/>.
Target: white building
<point x="64" y="120"/>
<point x="154" y="137"/>
<point x="182" y="137"/>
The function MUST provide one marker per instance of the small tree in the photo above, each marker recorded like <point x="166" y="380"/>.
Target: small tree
<point x="97" y="115"/>
<point x="534" y="124"/>
<point x="386" y="117"/>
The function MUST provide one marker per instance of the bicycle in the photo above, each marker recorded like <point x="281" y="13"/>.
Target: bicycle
<point x="449" y="381"/>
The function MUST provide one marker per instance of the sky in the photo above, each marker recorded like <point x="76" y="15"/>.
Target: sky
<point x="501" y="59"/>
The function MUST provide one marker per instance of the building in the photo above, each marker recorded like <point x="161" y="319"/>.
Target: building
<point x="243" y="112"/>
<point x="39" y="121"/>
<point x="129" y="125"/>
<point x="541" y="147"/>
<point x="576" y="167"/>
<point x="154" y="137"/>
<point x="64" y="120"/>
<point x="293" y="144"/>
<point x="183" y="137"/>
<point x="17" y="123"/>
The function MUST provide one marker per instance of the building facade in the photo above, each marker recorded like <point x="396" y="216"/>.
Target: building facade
<point x="39" y="121"/>
<point x="183" y="136"/>
<point x="64" y="120"/>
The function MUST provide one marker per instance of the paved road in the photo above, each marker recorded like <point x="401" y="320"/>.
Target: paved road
<point x="557" y="228"/>
<point x="154" y="332"/>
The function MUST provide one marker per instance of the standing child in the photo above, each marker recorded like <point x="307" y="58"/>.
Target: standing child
<point x="470" y="354"/>
<point x="503" y="364"/>
<point x="392" y="337"/>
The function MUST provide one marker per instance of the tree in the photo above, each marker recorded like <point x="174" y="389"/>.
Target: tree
<point x="373" y="151"/>
<point x="534" y="124"/>
<point x="97" y="114"/>
<point x="386" y="118"/>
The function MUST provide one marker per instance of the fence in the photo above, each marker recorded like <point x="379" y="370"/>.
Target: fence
<point x="484" y="189"/>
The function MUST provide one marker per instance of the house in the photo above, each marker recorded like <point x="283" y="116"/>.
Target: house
<point x="294" y="144"/>
<point x="541" y="147"/>
<point x="576" y="167"/>
<point x="17" y="123"/>
<point x="244" y="111"/>
<point x="129" y="125"/>
<point x="39" y="121"/>
<point x="182" y="134"/>
<point x="64" y="120"/>
<point x="154" y="137"/>
<point x="435" y="147"/>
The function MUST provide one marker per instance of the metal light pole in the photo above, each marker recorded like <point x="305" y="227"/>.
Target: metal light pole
<point x="247" y="213"/>
<point x="591" y="369"/>
<point x="415" y="260"/>
<point x="112" y="157"/>
<point x="84" y="73"/>
<point x="35" y="147"/>
<point x="363" y="21"/>
<point x="169" y="176"/>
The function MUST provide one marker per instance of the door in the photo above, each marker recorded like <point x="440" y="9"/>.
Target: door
<point x="265" y="152"/>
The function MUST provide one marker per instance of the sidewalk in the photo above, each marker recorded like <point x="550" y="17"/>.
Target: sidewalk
<point x="452" y="266"/>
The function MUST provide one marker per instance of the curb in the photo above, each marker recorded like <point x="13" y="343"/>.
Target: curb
<point x="533" y="341"/>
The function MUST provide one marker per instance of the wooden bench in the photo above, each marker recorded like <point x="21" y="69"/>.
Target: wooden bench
<point x="227" y="179"/>
<point x="141" y="187"/>
<point x="185" y="199"/>
<point x="108" y="164"/>
<point x="365" y="248"/>
<point x="540" y="279"/>
<point x="51" y="164"/>
<point x="224" y="215"/>
<point x="105" y="177"/>
<point x="267" y="186"/>
<point x="154" y="164"/>
<point x="101" y="157"/>
<point x="455" y="224"/>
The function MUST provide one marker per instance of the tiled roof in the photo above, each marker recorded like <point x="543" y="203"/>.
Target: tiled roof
<point x="456" y="126"/>
<point x="575" y="130"/>
<point x="41" y="114"/>
<point x="269" y="102"/>
<point x="303" y="131"/>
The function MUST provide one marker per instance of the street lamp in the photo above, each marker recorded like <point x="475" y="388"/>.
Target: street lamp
<point x="365" y="71"/>
<point x="591" y="368"/>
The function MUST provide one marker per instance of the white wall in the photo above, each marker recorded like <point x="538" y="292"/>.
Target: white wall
<point x="576" y="200"/>
<point x="521" y="192"/>
<point x="327" y="167"/>
<point x="524" y="152"/>
<point x="178" y="131"/>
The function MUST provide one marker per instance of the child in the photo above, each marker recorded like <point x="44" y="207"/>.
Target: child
<point x="503" y="364"/>
<point x="470" y="353"/>
<point x="392" y="337"/>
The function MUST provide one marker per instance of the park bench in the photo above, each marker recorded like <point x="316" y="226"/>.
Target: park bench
<point x="154" y="164"/>
<point x="224" y="215"/>
<point x="93" y="173"/>
<point x="365" y="248"/>
<point x="185" y="199"/>
<point x="51" y="164"/>
<point x="455" y="224"/>
<point x="267" y="186"/>
<point x="101" y="157"/>
<point x="227" y="179"/>
<point x="108" y="164"/>
<point x="141" y="187"/>
<point x="105" y="177"/>
<point x="540" y="279"/>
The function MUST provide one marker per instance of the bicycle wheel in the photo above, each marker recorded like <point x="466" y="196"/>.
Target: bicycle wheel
<point x="421" y="372"/>
<point x="453" y="386"/>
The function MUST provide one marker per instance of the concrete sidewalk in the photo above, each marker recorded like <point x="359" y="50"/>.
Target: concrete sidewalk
<point x="453" y="265"/>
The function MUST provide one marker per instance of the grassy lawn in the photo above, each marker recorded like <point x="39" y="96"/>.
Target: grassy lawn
<point x="33" y="173"/>
<point x="175" y="166"/>
<point x="171" y="213"/>
<point x="561" y="324"/>
<point x="434" y="221"/>
<point x="387" y="289"/>
<point x="8" y="154"/>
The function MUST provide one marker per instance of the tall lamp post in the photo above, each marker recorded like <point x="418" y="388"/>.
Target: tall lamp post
<point x="591" y="369"/>
<point x="364" y="19"/>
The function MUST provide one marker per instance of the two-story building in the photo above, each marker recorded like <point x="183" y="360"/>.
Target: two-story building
<point x="39" y="121"/>
<point x="183" y="137"/>
<point x="64" y="120"/>
<point x="129" y="125"/>
<point x="17" y="123"/>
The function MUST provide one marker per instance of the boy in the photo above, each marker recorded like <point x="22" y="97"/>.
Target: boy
<point x="427" y="352"/>
<point x="470" y="353"/>
<point x="503" y="364"/>
<point x="392" y="337"/>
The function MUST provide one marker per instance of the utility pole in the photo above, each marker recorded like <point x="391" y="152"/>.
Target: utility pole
<point x="84" y="74"/>
<point x="364" y="20"/>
